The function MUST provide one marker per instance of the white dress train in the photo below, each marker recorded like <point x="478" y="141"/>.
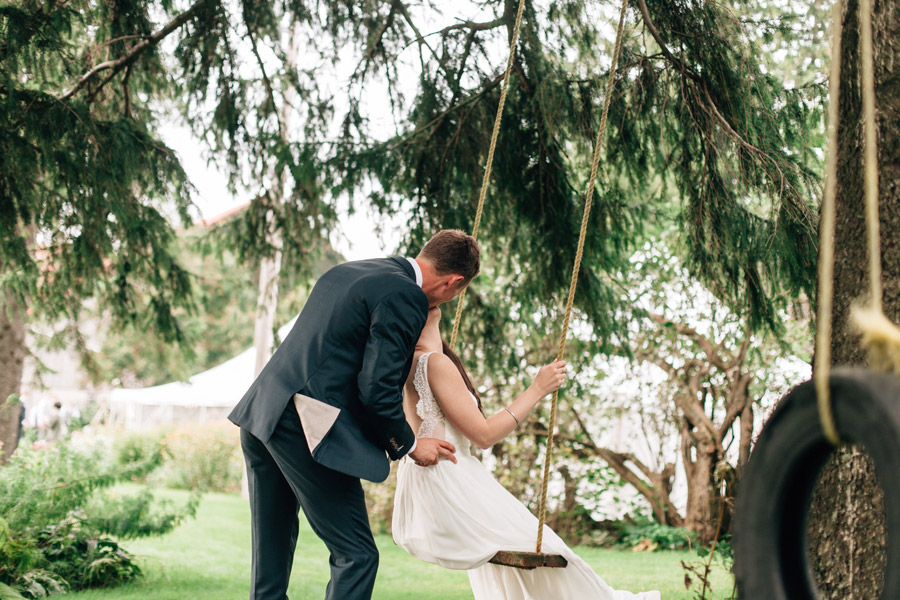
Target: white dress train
<point x="458" y="516"/>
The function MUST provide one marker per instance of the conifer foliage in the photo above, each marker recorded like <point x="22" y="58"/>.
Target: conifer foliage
<point x="698" y="132"/>
<point x="86" y="185"/>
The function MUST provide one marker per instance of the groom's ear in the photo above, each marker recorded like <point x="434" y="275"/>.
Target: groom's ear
<point x="456" y="282"/>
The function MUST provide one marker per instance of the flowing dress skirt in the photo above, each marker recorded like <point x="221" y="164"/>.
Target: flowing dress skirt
<point x="458" y="516"/>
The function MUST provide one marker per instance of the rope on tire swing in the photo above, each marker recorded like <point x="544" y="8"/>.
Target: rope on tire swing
<point x="880" y="337"/>
<point x="529" y="560"/>
<point x="850" y="405"/>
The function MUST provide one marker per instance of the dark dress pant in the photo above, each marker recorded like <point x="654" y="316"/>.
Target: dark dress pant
<point x="283" y="478"/>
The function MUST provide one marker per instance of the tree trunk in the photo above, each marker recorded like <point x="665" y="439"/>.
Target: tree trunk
<point x="267" y="303"/>
<point x="701" y="514"/>
<point x="12" y="360"/>
<point x="656" y="492"/>
<point x="846" y="523"/>
<point x="270" y="267"/>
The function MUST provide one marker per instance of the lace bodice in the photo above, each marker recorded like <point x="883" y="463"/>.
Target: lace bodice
<point x="434" y="424"/>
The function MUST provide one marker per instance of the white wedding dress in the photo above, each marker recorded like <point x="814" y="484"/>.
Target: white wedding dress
<point x="458" y="516"/>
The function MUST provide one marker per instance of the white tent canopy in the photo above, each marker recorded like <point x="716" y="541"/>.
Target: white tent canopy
<point x="205" y="397"/>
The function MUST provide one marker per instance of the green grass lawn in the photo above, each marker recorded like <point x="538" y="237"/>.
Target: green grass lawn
<point x="209" y="558"/>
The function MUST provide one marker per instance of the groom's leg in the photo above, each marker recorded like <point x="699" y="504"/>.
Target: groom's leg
<point x="274" y="523"/>
<point x="335" y="506"/>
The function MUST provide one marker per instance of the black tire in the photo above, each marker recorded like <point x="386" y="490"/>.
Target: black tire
<point x="770" y="545"/>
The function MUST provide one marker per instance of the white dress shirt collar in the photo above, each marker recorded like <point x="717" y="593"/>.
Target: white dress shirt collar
<point x="417" y="269"/>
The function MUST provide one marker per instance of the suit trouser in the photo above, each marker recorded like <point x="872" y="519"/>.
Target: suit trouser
<point x="283" y="478"/>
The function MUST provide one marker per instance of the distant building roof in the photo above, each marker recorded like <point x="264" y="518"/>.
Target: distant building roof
<point x="223" y="216"/>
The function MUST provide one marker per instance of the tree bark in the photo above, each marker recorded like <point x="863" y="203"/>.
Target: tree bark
<point x="701" y="512"/>
<point x="267" y="302"/>
<point x="270" y="266"/>
<point x="12" y="360"/>
<point x="846" y="523"/>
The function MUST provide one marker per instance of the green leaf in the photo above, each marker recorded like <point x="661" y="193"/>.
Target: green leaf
<point x="8" y="593"/>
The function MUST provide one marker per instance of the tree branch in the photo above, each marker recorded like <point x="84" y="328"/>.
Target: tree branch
<point x="710" y="349"/>
<point x="472" y="26"/>
<point x="688" y="403"/>
<point x="125" y="61"/>
<point x="419" y="37"/>
<point x="270" y="94"/>
<point x="125" y="92"/>
<point x="740" y="400"/>
<point x="645" y="13"/>
<point x="656" y="492"/>
<point x="746" y="438"/>
<point x="371" y="50"/>
<point x="439" y="117"/>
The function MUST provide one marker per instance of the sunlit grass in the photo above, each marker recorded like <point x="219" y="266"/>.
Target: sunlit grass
<point x="209" y="558"/>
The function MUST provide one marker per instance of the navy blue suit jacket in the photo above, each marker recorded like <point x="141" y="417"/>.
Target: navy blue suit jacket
<point x="350" y="348"/>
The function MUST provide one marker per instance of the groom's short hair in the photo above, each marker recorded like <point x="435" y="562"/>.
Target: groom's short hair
<point x="453" y="251"/>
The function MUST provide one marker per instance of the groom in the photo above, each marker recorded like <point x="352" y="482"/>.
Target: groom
<point x="327" y="410"/>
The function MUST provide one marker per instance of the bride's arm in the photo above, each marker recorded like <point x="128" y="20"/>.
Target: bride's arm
<point x="453" y="397"/>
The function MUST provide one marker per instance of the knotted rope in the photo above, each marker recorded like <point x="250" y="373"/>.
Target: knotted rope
<point x="880" y="337"/>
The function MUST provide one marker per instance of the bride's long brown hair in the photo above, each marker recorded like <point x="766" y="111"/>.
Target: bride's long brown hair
<point x="449" y="353"/>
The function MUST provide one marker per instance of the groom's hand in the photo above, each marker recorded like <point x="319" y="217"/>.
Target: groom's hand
<point x="430" y="450"/>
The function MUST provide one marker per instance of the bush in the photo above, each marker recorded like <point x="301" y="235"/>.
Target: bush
<point x="55" y="526"/>
<point x="645" y="534"/>
<point x="84" y="558"/>
<point x="139" y="448"/>
<point x="204" y="458"/>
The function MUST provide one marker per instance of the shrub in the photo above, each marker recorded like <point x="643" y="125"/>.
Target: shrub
<point x="141" y="515"/>
<point x="39" y="583"/>
<point x="650" y="535"/>
<point x="55" y="526"/>
<point x="139" y="448"/>
<point x="204" y="458"/>
<point x="84" y="558"/>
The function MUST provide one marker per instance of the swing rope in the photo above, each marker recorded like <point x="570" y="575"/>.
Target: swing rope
<point x="826" y="241"/>
<point x="588" y="201"/>
<point x="610" y="84"/>
<point x="490" y="158"/>
<point x="880" y="337"/>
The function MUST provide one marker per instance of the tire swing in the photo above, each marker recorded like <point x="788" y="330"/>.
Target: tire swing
<point x="848" y="406"/>
<point x="770" y="546"/>
<point x="531" y="560"/>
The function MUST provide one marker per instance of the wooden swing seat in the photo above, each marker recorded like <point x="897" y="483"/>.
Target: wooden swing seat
<point x="528" y="560"/>
<point x="533" y="560"/>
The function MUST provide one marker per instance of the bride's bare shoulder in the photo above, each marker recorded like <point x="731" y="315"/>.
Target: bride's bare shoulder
<point x="441" y="369"/>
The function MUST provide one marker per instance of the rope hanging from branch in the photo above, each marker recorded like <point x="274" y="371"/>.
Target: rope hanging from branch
<point x="588" y="201"/>
<point x="595" y="162"/>
<point x="826" y="240"/>
<point x="490" y="158"/>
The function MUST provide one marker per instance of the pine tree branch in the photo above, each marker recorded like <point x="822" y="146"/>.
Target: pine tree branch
<point x="420" y="38"/>
<point x="441" y="116"/>
<point x="714" y="110"/>
<point x="267" y="83"/>
<point x="472" y="26"/>
<point x="125" y="91"/>
<point x="654" y="32"/>
<point x="37" y="20"/>
<point x="128" y="59"/>
<point x="370" y="52"/>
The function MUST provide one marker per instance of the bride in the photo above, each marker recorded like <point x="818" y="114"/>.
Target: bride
<point x="455" y="514"/>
